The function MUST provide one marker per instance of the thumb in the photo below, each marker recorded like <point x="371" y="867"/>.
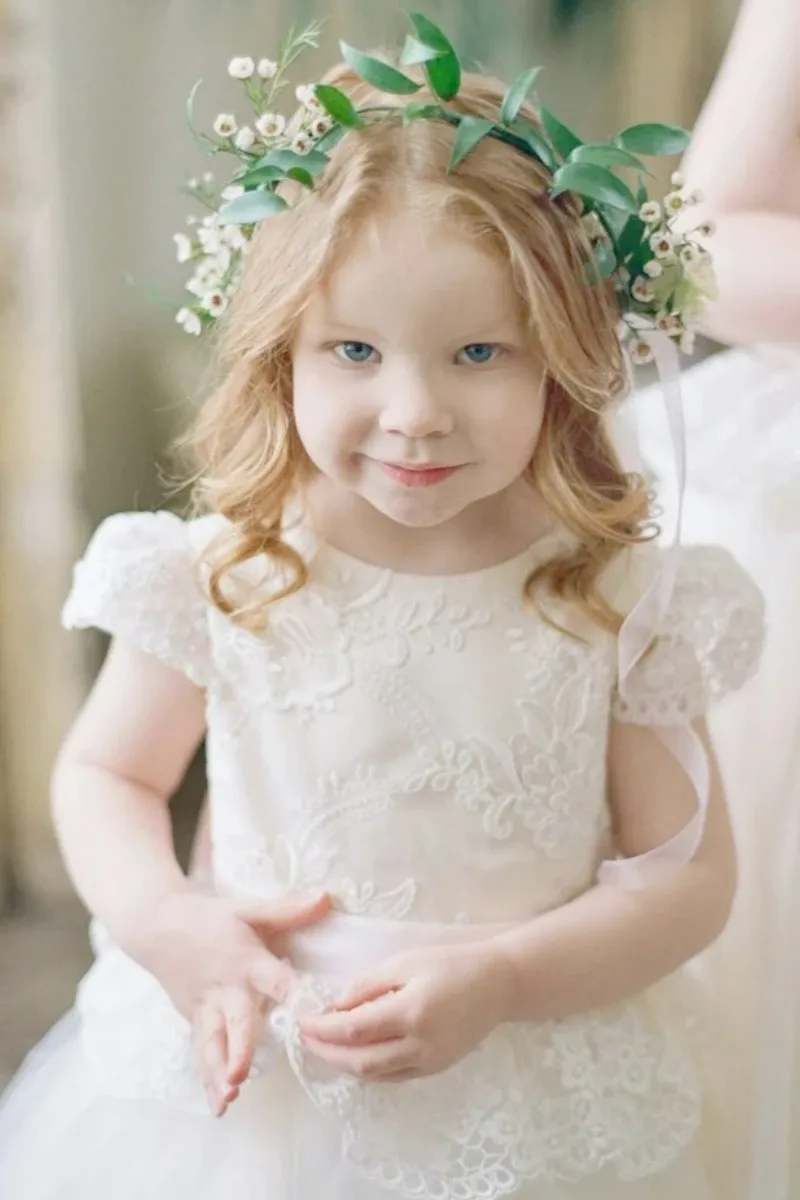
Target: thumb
<point x="282" y="916"/>
<point x="272" y="977"/>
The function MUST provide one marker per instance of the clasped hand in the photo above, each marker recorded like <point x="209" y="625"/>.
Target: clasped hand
<point x="414" y="1015"/>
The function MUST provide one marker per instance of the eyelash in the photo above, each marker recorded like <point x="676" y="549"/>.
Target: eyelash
<point x="495" y="349"/>
<point x="340" y="349"/>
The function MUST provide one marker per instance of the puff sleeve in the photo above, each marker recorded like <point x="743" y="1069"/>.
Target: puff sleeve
<point x="138" y="581"/>
<point x="709" y="643"/>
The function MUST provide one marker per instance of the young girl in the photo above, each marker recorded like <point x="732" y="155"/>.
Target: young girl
<point x="457" y="855"/>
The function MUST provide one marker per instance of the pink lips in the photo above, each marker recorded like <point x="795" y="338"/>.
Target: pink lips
<point x="425" y="476"/>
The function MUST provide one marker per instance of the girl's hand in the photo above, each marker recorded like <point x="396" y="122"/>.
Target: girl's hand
<point x="417" y="1014"/>
<point x="227" y="1027"/>
<point x="217" y="961"/>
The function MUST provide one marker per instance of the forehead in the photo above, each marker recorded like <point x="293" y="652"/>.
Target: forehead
<point x="421" y="269"/>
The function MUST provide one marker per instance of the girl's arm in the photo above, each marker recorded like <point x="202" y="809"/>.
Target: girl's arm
<point x="610" y="943"/>
<point x="116" y="772"/>
<point x="200" y="862"/>
<point x="745" y="158"/>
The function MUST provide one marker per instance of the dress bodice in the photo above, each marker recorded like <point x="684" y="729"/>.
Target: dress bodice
<point x="432" y="752"/>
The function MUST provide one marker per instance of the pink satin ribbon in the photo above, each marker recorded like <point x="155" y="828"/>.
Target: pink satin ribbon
<point x="639" y="629"/>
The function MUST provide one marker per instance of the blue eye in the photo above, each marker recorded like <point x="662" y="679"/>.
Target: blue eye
<point x="356" y="352"/>
<point x="480" y="353"/>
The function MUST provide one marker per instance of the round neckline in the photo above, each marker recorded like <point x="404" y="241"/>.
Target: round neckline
<point x="325" y="553"/>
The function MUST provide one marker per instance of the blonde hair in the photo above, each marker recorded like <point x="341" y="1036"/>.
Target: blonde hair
<point x="248" y="457"/>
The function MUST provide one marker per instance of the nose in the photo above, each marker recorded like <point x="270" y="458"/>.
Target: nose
<point x="416" y="408"/>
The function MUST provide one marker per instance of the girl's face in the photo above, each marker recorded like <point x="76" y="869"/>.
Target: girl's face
<point x="415" y="385"/>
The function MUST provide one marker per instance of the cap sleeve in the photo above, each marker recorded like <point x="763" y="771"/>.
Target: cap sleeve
<point x="709" y="644"/>
<point x="138" y="581"/>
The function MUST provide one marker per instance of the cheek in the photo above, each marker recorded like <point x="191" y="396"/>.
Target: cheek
<point x="329" y="427"/>
<point x="512" y="429"/>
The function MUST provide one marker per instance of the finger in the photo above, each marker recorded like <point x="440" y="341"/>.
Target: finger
<point x="371" y="1062"/>
<point x="380" y="1020"/>
<point x="282" y="916"/>
<point x="243" y="1022"/>
<point x="367" y="988"/>
<point x="272" y="978"/>
<point x="211" y="1050"/>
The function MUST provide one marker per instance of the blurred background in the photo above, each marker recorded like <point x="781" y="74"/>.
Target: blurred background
<point x="97" y="379"/>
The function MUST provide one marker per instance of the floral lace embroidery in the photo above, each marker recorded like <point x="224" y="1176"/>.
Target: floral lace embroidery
<point x="710" y="646"/>
<point x="556" y="1102"/>
<point x="314" y="646"/>
<point x="137" y="581"/>
<point x="414" y="627"/>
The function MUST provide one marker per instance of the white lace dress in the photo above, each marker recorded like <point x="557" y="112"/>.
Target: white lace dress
<point x="432" y="753"/>
<point x="743" y="441"/>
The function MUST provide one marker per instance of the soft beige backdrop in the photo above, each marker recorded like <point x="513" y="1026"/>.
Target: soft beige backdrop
<point x="95" y="377"/>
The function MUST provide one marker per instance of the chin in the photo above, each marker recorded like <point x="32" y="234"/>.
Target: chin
<point x="417" y="512"/>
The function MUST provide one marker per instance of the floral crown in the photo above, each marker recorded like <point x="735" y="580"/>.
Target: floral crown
<point x="662" y="276"/>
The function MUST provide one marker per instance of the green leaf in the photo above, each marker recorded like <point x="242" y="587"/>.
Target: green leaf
<point x="614" y="220"/>
<point x="337" y="105"/>
<point x="594" y="183"/>
<point x="415" y="52"/>
<point x="517" y="94"/>
<point x="606" y="156"/>
<point x="251" y="208"/>
<point x="603" y="266"/>
<point x="631" y="237"/>
<point x="261" y="175"/>
<point x="300" y="175"/>
<point x="656" y="141"/>
<point x="314" y="162"/>
<point x="535" y="142"/>
<point x="606" y="259"/>
<point x="430" y="34"/>
<point x="444" y="71"/>
<point x="379" y="74"/>
<point x="331" y="139"/>
<point x="416" y="111"/>
<point x="471" y="131"/>
<point x="563" y="139"/>
<point x="444" y="76"/>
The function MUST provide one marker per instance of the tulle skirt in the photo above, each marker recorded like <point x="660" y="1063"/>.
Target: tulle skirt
<point x="743" y="438"/>
<point x="64" y="1137"/>
<point x="62" y="1140"/>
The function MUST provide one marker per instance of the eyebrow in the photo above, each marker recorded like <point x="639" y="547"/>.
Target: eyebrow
<point x="482" y="333"/>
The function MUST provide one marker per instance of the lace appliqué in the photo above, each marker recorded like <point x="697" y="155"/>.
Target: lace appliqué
<point x="315" y="646"/>
<point x="556" y="1102"/>
<point x="710" y="645"/>
<point x="252" y="865"/>
<point x="424" y="627"/>
<point x="547" y="780"/>
<point x="137" y="581"/>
